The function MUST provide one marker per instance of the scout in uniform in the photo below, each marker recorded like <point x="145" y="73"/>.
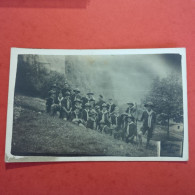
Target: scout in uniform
<point x="103" y="115"/>
<point x="105" y="129"/>
<point x="85" y="114"/>
<point x="76" y="116"/>
<point x="149" y="120"/>
<point x="56" y="106"/>
<point x="75" y="96"/>
<point x="115" y="124"/>
<point x="92" y="121"/>
<point x="131" y="110"/>
<point x="77" y="103"/>
<point x="110" y="106"/>
<point x="100" y="101"/>
<point x="130" y="130"/>
<point x="65" y="89"/>
<point x="66" y="106"/>
<point x="92" y="103"/>
<point x="50" y="101"/>
<point x="115" y="118"/>
<point x="97" y="109"/>
<point x="87" y="98"/>
<point x="123" y="122"/>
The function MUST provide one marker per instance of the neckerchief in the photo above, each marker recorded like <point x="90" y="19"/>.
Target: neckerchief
<point x="149" y="118"/>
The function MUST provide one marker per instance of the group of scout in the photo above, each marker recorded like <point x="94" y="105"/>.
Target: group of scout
<point x="102" y="116"/>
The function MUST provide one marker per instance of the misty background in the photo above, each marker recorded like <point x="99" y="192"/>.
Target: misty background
<point x="121" y="77"/>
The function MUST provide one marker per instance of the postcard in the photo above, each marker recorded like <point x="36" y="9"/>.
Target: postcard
<point x="97" y="105"/>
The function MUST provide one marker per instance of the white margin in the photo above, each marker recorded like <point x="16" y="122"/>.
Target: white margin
<point x="12" y="77"/>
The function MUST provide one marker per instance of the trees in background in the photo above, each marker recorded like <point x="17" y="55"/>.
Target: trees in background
<point x="167" y="97"/>
<point x="34" y="78"/>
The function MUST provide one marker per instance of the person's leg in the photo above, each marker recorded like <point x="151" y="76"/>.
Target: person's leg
<point x="149" y="136"/>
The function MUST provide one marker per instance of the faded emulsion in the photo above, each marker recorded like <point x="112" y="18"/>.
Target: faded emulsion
<point x="98" y="106"/>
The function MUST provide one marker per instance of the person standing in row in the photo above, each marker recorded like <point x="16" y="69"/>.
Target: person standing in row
<point x="110" y="106"/>
<point x="92" y="120"/>
<point x="131" y="110"/>
<point x="87" y="98"/>
<point x="66" y="106"/>
<point x="85" y="113"/>
<point x="104" y="116"/>
<point x="76" y="116"/>
<point x="65" y="89"/>
<point x="149" y="121"/>
<point x="100" y="101"/>
<point x="75" y="96"/>
<point x="130" y="130"/>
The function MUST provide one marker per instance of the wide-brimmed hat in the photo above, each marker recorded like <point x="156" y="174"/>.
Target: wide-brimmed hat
<point x="93" y="112"/>
<point x="149" y="104"/>
<point x="76" y="90"/>
<point x="97" y="107"/>
<point x="92" y="100"/>
<point x="104" y="105"/>
<point x="130" y="116"/>
<point x="90" y="93"/>
<point x="67" y="93"/>
<point x="130" y="103"/>
<point x="87" y="105"/>
<point x="78" y="100"/>
<point x="78" y="107"/>
<point x="51" y="92"/>
<point x="124" y="113"/>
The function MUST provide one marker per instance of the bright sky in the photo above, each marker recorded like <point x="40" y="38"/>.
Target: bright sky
<point x="130" y="75"/>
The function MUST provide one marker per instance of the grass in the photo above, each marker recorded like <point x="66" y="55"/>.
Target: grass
<point x="37" y="133"/>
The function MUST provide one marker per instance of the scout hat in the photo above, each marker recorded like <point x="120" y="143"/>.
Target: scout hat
<point x="51" y="92"/>
<point x="104" y="105"/>
<point x="97" y="107"/>
<point x="78" y="100"/>
<point x="149" y="104"/>
<point x="130" y="103"/>
<point x="76" y="90"/>
<point x="87" y="105"/>
<point x="93" y="112"/>
<point x="90" y="93"/>
<point x="67" y="93"/>
<point x="124" y="114"/>
<point x="130" y="116"/>
<point x="78" y="107"/>
<point x="92" y="100"/>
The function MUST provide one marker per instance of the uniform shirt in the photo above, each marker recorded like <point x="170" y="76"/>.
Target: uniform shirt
<point x="85" y="115"/>
<point x="66" y="102"/>
<point x="115" y="120"/>
<point x="131" y="129"/>
<point x="149" y="119"/>
<point x="111" y="107"/>
<point x="75" y="115"/>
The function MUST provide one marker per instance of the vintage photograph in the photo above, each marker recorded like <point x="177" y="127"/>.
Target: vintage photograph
<point x="97" y="105"/>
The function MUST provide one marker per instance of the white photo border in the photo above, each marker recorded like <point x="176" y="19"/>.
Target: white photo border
<point x="12" y="78"/>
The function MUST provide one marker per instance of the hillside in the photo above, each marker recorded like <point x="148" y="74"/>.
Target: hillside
<point x="37" y="133"/>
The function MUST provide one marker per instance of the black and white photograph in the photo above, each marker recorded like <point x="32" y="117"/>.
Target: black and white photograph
<point x="97" y="105"/>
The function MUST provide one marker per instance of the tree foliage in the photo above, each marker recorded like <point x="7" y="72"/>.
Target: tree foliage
<point x="167" y="96"/>
<point x="34" y="79"/>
